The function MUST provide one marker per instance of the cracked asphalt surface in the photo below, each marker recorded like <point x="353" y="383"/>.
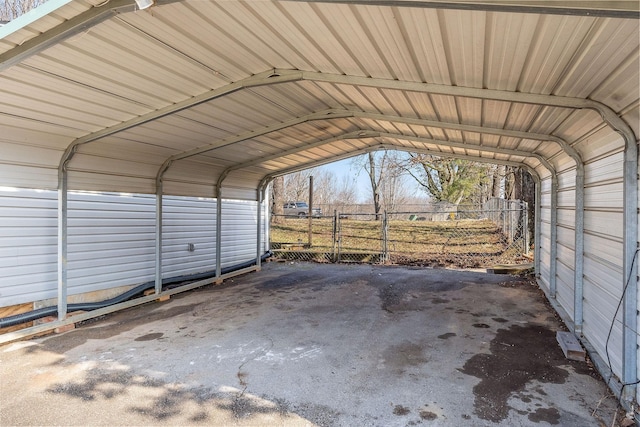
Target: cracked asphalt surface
<point x="312" y="344"/>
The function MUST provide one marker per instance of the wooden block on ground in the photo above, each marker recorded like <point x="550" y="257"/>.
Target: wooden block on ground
<point x="65" y="328"/>
<point x="570" y="346"/>
<point x="160" y="299"/>
<point x="510" y="269"/>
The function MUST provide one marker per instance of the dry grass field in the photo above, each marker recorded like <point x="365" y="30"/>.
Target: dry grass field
<point x="461" y="243"/>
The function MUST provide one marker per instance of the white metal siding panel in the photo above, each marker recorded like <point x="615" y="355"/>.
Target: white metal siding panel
<point x="111" y="241"/>
<point x="187" y="221"/>
<point x="600" y="302"/>
<point x="197" y="190"/>
<point x="90" y="181"/>
<point x="565" y="267"/>
<point x="239" y="231"/>
<point x="604" y="231"/>
<point x="239" y="193"/>
<point x="602" y="142"/>
<point x="544" y="263"/>
<point x="28" y="245"/>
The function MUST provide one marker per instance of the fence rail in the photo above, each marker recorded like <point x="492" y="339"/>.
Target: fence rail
<point x="480" y="236"/>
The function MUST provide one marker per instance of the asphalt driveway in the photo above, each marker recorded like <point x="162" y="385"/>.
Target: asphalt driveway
<point x="312" y="344"/>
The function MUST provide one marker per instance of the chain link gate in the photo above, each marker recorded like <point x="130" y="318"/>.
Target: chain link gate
<point x="360" y="238"/>
<point x="480" y="236"/>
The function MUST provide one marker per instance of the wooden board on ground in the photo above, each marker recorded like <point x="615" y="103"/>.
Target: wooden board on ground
<point x="13" y="310"/>
<point x="510" y="269"/>
<point x="570" y="346"/>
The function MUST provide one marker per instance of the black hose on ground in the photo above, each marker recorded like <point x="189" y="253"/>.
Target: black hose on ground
<point x="131" y="293"/>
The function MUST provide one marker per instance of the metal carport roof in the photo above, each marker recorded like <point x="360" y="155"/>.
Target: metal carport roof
<point x="214" y="98"/>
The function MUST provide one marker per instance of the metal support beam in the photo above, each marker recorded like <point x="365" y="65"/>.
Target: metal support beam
<point x="63" y="198"/>
<point x="609" y="9"/>
<point x="262" y="79"/>
<point x="158" y="287"/>
<point x="630" y="268"/>
<point x="381" y="147"/>
<point x="578" y="282"/>
<point x="440" y="89"/>
<point x="553" y="238"/>
<point x="358" y="134"/>
<point x="323" y="115"/>
<point x="218" y="232"/>
<point x="365" y="133"/>
<point x="57" y="34"/>
<point x="537" y="237"/>
<point x="259" y="198"/>
<point x="630" y="276"/>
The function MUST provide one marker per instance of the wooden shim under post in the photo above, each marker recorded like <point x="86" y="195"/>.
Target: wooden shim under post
<point x="570" y="346"/>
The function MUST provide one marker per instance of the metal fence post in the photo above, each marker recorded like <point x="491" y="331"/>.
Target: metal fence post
<point x="385" y="238"/>
<point x="525" y="226"/>
<point x="334" y="236"/>
<point x="339" y="236"/>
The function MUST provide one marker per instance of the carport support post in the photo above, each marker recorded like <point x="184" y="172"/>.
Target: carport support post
<point x="63" y="196"/>
<point x="537" y="229"/>
<point x="218" y="233"/>
<point x="578" y="282"/>
<point x="158" y="287"/>
<point x="630" y="273"/>
<point x="553" y="251"/>
<point x="310" y="211"/>
<point x="259" y="230"/>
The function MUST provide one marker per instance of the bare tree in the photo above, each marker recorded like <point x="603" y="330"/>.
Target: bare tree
<point x="347" y="193"/>
<point x="392" y="185"/>
<point x="498" y="175"/>
<point x="324" y="187"/>
<point x="296" y="186"/>
<point x="11" y="9"/>
<point x="451" y="180"/>
<point x="376" y="173"/>
<point x="386" y="172"/>
<point x="277" y="199"/>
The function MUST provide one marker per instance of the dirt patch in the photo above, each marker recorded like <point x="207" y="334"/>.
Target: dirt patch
<point x="481" y="325"/>
<point x="550" y="415"/>
<point x="518" y="355"/>
<point x="150" y="337"/>
<point x="428" y="415"/>
<point x="447" y="336"/>
<point x="405" y="355"/>
<point x="400" y="410"/>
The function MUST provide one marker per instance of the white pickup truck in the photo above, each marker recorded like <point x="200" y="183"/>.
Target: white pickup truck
<point x="300" y="209"/>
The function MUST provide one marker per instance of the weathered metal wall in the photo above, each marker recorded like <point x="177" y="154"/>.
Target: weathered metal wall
<point x="112" y="238"/>
<point x="603" y="252"/>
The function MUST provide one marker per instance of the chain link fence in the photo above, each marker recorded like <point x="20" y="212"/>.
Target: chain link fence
<point x="444" y="236"/>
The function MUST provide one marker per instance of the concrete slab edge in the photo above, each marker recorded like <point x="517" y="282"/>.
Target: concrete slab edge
<point x="59" y="324"/>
